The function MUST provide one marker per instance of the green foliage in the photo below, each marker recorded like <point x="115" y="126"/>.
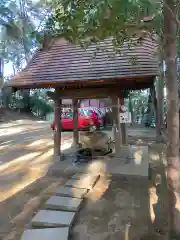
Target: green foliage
<point x="91" y="21"/>
<point x="39" y="106"/>
<point x="137" y="104"/>
<point x="1" y="81"/>
<point x="17" y="22"/>
<point x="37" y="101"/>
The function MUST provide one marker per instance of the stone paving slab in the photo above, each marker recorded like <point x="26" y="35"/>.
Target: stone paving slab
<point x="63" y="203"/>
<point x="46" y="234"/>
<point x="71" y="192"/>
<point x="48" y="218"/>
<point x="79" y="176"/>
<point x="83" y="175"/>
<point x="86" y="182"/>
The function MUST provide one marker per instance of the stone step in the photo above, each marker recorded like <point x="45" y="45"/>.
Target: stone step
<point x="46" y="234"/>
<point x="86" y="182"/>
<point x="79" y="176"/>
<point x="63" y="203"/>
<point x="48" y="218"/>
<point x="83" y="175"/>
<point x="71" y="192"/>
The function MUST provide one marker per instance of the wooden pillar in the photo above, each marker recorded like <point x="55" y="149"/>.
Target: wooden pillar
<point x="116" y="125"/>
<point x="75" y="123"/>
<point x="57" y="139"/>
<point x="123" y="126"/>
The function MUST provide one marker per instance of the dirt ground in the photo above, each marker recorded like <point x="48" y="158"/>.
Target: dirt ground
<point x="17" y="211"/>
<point x="125" y="208"/>
<point x="113" y="203"/>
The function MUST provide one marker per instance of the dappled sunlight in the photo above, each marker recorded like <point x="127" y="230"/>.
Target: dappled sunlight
<point x="26" y="155"/>
<point x="17" y="163"/>
<point x="177" y="206"/>
<point x="2" y="147"/>
<point x="96" y="167"/>
<point x="154" y="156"/>
<point x="13" y="168"/>
<point x="30" y="171"/>
<point x="139" y="141"/>
<point x="138" y="155"/>
<point x="43" y="158"/>
<point x="10" y="131"/>
<point x="20" y="168"/>
<point x="66" y="145"/>
<point x="24" y="170"/>
<point x="153" y="199"/>
<point x="40" y="144"/>
<point x="20" y="121"/>
<point x="8" y="125"/>
<point x="101" y="182"/>
<point x="8" y="148"/>
<point x="177" y="212"/>
<point x="31" y="176"/>
<point x="41" y="121"/>
<point x="36" y="143"/>
<point x="20" y="160"/>
<point x="102" y="186"/>
<point x="6" y="142"/>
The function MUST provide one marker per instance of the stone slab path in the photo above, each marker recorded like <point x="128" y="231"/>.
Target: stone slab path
<point x="46" y="234"/>
<point x="47" y="218"/>
<point x="57" y="214"/>
<point x="85" y="182"/>
<point x="63" y="203"/>
<point x="71" y="192"/>
<point x="80" y="176"/>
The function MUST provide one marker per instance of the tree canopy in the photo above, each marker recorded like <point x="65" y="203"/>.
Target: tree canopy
<point x="89" y="21"/>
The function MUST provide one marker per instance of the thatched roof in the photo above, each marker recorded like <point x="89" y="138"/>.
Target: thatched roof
<point x="64" y="64"/>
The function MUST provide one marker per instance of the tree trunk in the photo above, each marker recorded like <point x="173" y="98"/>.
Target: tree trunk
<point x="131" y="108"/>
<point x="170" y="31"/>
<point x="149" y="113"/>
<point x="75" y="124"/>
<point x="160" y="99"/>
<point x="154" y="104"/>
<point x="156" y="112"/>
<point x="26" y="92"/>
<point x="14" y="69"/>
<point x="1" y="71"/>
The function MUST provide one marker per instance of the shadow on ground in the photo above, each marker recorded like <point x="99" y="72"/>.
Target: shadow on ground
<point x="17" y="211"/>
<point x="114" y="203"/>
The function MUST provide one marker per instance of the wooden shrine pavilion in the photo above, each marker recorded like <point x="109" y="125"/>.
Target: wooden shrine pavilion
<point x="96" y="72"/>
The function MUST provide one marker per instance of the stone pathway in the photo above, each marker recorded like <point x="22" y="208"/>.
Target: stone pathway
<point x="56" y="217"/>
<point x="132" y="161"/>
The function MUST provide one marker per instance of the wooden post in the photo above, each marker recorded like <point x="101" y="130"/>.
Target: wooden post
<point x="123" y="126"/>
<point x="116" y="125"/>
<point x="75" y="123"/>
<point x="58" y="102"/>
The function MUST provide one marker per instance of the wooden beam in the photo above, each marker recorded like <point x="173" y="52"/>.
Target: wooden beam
<point x="123" y="125"/>
<point x="58" y="122"/>
<point x="116" y="124"/>
<point x="75" y="123"/>
<point x="84" y="93"/>
<point x="98" y="92"/>
<point x="132" y="82"/>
